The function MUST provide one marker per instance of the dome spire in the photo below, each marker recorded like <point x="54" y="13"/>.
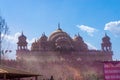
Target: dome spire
<point x="59" y="26"/>
<point x="78" y="34"/>
<point x="105" y="34"/>
<point x="22" y="32"/>
<point x="43" y="34"/>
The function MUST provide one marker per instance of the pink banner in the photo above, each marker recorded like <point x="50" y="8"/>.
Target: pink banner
<point x="112" y="70"/>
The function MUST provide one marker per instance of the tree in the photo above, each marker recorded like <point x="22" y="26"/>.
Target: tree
<point x="3" y="31"/>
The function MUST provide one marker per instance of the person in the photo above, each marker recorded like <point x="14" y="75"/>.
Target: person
<point x="51" y="78"/>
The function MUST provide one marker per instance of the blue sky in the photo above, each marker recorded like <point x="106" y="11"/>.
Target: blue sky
<point x="90" y="18"/>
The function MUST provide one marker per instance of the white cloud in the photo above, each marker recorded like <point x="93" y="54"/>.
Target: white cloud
<point x="113" y="27"/>
<point x="11" y="43"/>
<point x="30" y="42"/>
<point x="90" y="46"/>
<point x="87" y="29"/>
<point x="12" y="38"/>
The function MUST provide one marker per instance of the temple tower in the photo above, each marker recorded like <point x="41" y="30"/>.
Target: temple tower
<point x="106" y="44"/>
<point x="43" y="43"/>
<point x="22" y="43"/>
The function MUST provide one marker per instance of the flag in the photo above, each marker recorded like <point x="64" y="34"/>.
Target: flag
<point x="6" y="51"/>
<point x="10" y="50"/>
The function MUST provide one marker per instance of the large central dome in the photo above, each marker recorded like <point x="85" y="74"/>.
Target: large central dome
<point x="61" y="40"/>
<point x="59" y="33"/>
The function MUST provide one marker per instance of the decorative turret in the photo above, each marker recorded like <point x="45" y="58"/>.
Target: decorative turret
<point x="79" y="43"/>
<point x="22" y="43"/>
<point x="106" y="44"/>
<point x="35" y="46"/>
<point x="43" y="44"/>
<point x="43" y="38"/>
<point x="78" y="38"/>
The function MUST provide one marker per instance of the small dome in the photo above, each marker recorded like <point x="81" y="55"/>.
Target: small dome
<point x="34" y="43"/>
<point x="22" y="37"/>
<point x="43" y="37"/>
<point x="77" y="38"/>
<point x="106" y="38"/>
<point x="35" y="46"/>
